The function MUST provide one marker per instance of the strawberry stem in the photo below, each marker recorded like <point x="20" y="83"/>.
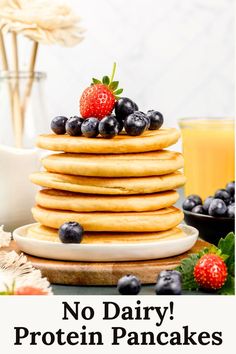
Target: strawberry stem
<point x="113" y="72"/>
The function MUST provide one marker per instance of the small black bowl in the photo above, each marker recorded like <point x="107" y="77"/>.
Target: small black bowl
<point x="210" y="228"/>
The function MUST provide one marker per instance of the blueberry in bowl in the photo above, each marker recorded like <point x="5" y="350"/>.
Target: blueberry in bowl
<point x="214" y="217"/>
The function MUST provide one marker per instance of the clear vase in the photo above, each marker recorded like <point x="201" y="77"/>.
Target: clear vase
<point x="22" y="116"/>
<point x="22" y="108"/>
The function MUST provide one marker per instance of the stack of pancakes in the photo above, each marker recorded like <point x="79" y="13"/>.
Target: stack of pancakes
<point x="119" y="190"/>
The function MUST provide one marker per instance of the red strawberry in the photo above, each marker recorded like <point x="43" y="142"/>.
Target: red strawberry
<point x="29" y="290"/>
<point x="98" y="100"/>
<point x="210" y="272"/>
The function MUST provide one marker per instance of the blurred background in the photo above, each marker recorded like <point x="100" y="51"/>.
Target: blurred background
<point x="176" y="56"/>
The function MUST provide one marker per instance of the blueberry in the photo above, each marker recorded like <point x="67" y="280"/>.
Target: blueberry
<point x="169" y="283"/>
<point x="71" y="232"/>
<point x="198" y="209"/>
<point x="217" y="207"/>
<point x="156" y="119"/>
<point x="121" y="125"/>
<point x="147" y="119"/>
<point x="207" y="203"/>
<point x="231" y="211"/>
<point x="89" y="127"/>
<point x="168" y="273"/>
<point x="143" y="115"/>
<point x="108" y="127"/>
<point x="129" y="285"/>
<point x="135" y="124"/>
<point x="58" y="125"/>
<point x="124" y="107"/>
<point x="222" y="194"/>
<point x="189" y="204"/>
<point x="232" y="200"/>
<point x="73" y="126"/>
<point x="195" y="198"/>
<point x="230" y="188"/>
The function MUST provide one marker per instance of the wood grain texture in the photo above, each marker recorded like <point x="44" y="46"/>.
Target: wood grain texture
<point x="85" y="273"/>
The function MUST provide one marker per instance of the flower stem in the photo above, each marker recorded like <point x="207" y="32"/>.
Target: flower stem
<point x="30" y="82"/>
<point x="16" y="94"/>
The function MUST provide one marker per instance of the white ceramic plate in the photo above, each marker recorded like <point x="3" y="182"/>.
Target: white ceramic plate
<point x="105" y="252"/>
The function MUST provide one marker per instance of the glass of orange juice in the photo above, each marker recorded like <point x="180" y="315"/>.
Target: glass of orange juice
<point x="208" y="148"/>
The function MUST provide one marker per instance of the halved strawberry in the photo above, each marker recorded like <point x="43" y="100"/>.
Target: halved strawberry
<point x="98" y="100"/>
<point x="29" y="290"/>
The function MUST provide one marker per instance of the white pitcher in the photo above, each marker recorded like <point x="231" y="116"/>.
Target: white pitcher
<point x="17" y="193"/>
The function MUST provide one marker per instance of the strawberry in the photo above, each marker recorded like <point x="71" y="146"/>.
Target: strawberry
<point x="210" y="272"/>
<point x="98" y="100"/>
<point x="29" y="290"/>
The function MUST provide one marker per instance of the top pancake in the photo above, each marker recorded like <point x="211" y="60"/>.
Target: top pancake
<point x="150" y="140"/>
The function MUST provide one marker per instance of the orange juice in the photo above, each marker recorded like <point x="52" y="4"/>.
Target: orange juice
<point x="208" y="148"/>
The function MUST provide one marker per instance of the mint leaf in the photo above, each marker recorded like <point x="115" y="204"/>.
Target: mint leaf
<point x="186" y="268"/>
<point x="227" y="247"/>
<point x="228" y="288"/>
<point x="113" y="85"/>
<point x="231" y="266"/>
<point x="105" y="80"/>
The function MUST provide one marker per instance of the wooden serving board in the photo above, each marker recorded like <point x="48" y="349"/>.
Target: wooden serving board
<point x="106" y="273"/>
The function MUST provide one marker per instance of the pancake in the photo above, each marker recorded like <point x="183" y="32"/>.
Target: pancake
<point x="113" y="186"/>
<point x="126" y="165"/>
<point x="149" y="141"/>
<point x="44" y="233"/>
<point x="62" y="200"/>
<point x="160" y="220"/>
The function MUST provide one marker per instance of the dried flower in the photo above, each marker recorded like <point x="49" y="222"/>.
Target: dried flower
<point x="17" y="273"/>
<point x="44" y="21"/>
<point x="5" y="237"/>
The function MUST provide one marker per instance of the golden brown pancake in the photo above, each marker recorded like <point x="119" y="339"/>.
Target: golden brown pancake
<point x="152" y="221"/>
<point x="113" y="186"/>
<point x="149" y="141"/>
<point x="62" y="200"/>
<point x="40" y="232"/>
<point x="127" y="165"/>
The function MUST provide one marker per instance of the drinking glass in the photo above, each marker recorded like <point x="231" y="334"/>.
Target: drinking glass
<point x="208" y="149"/>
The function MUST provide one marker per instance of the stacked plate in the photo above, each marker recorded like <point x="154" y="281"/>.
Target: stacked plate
<point x="120" y="190"/>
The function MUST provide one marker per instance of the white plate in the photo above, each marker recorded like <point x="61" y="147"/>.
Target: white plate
<point x="105" y="252"/>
